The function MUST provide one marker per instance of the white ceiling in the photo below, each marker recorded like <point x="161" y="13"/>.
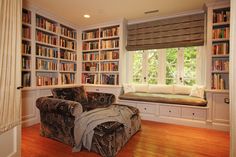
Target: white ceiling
<point x="110" y="10"/>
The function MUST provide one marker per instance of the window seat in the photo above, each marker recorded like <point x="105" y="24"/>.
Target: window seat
<point x="164" y="98"/>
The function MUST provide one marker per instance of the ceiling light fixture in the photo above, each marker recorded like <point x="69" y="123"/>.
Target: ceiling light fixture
<point x="151" y="11"/>
<point x="86" y="16"/>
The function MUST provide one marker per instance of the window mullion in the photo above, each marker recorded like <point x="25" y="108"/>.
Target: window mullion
<point x="180" y="66"/>
<point x="145" y="68"/>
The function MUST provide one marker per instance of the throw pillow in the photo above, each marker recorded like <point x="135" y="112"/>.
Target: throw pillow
<point x="74" y="94"/>
<point x="197" y="91"/>
<point x="182" y="89"/>
<point x="161" y="88"/>
<point x="143" y="88"/>
<point x="128" y="88"/>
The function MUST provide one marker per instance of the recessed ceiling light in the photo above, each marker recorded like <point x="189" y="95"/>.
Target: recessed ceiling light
<point x="86" y="16"/>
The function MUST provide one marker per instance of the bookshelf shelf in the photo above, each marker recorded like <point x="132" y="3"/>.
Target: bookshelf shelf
<point x="46" y="71"/>
<point x="101" y="48"/>
<point x="68" y="38"/>
<point x="221" y="72"/>
<point x="220" y="56"/>
<point x="46" y="44"/>
<point x="68" y="49"/>
<point x="46" y="31"/>
<point x="26" y="39"/>
<point x="48" y="58"/>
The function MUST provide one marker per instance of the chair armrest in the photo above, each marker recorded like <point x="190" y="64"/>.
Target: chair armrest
<point x="59" y="106"/>
<point x="96" y="100"/>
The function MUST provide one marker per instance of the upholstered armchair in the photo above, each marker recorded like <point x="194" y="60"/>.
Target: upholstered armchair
<point x="58" y="112"/>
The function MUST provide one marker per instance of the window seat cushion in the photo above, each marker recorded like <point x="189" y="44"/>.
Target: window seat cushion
<point x="164" y="98"/>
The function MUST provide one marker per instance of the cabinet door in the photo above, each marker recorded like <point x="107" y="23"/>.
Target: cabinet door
<point x="194" y="113"/>
<point x="171" y="111"/>
<point x="146" y="108"/>
<point x="221" y="108"/>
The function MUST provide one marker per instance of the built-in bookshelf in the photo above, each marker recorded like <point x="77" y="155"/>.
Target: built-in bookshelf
<point x="26" y="48"/>
<point x="52" y="48"/>
<point x="220" y="48"/>
<point x="101" y="48"/>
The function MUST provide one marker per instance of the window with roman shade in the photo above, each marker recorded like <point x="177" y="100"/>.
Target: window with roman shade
<point x="180" y="31"/>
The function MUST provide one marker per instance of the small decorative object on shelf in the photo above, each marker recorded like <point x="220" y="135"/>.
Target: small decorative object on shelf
<point x="101" y="55"/>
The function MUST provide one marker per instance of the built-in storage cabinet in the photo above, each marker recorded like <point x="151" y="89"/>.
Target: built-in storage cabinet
<point x="52" y="47"/>
<point x="219" y="26"/>
<point x="101" y="48"/>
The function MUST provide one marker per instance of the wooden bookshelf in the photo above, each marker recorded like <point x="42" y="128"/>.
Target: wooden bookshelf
<point x="220" y="46"/>
<point x="26" y="48"/>
<point x="51" y="46"/>
<point x="101" y="48"/>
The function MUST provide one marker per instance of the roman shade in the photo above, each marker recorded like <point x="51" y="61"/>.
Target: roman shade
<point x="167" y="33"/>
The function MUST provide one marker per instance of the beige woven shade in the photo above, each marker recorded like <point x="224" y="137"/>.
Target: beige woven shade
<point x="167" y="33"/>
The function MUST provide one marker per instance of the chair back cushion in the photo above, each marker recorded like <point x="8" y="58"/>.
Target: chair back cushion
<point x="73" y="93"/>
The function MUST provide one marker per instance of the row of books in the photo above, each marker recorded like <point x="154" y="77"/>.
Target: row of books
<point x="68" y="32"/>
<point x="46" y="51"/>
<point x="220" y="65"/>
<point x="109" y="66"/>
<point x="25" y="48"/>
<point x="26" y="63"/>
<point x="109" y="55"/>
<point x="109" y="79"/>
<point x="110" y="44"/>
<point x="68" y="55"/>
<point x="67" y="78"/>
<point x="90" y="45"/>
<point x="109" y="32"/>
<point x="26" y="32"/>
<point x="26" y="16"/>
<point x="46" y="24"/>
<point x="67" y="66"/>
<point x="218" y="82"/>
<point x="90" y="56"/>
<point x="89" y="78"/>
<point x="220" y="49"/>
<point x="222" y="16"/>
<point x="46" y="80"/>
<point x="67" y="44"/>
<point x="26" y="79"/>
<point x="220" y="33"/>
<point x="90" y="35"/>
<point x="42" y="64"/>
<point x="90" y="66"/>
<point x="46" y="38"/>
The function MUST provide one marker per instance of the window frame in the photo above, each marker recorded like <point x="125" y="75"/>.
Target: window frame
<point x="161" y="69"/>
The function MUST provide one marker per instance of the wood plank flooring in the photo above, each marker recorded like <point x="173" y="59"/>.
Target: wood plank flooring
<point x="154" y="140"/>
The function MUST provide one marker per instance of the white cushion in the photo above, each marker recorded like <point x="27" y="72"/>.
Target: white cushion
<point x="161" y="88"/>
<point x="141" y="88"/>
<point x="128" y="88"/>
<point x="181" y="89"/>
<point x="197" y="91"/>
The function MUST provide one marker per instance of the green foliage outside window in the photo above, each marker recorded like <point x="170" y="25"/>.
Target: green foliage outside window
<point x="152" y="66"/>
<point x="171" y="65"/>
<point x="137" y="66"/>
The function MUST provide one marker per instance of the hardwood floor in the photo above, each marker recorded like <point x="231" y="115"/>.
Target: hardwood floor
<point x="154" y="140"/>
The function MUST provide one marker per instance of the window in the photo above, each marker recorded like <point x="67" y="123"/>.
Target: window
<point x="166" y="66"/>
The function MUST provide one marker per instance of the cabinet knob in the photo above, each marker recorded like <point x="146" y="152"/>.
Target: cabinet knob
<point x="169" y="111"/>
<point x="226" y="100"/>
<point x="97" y="89"/>
<point x="145" y="108"/>
<point x="193" y="114"/>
